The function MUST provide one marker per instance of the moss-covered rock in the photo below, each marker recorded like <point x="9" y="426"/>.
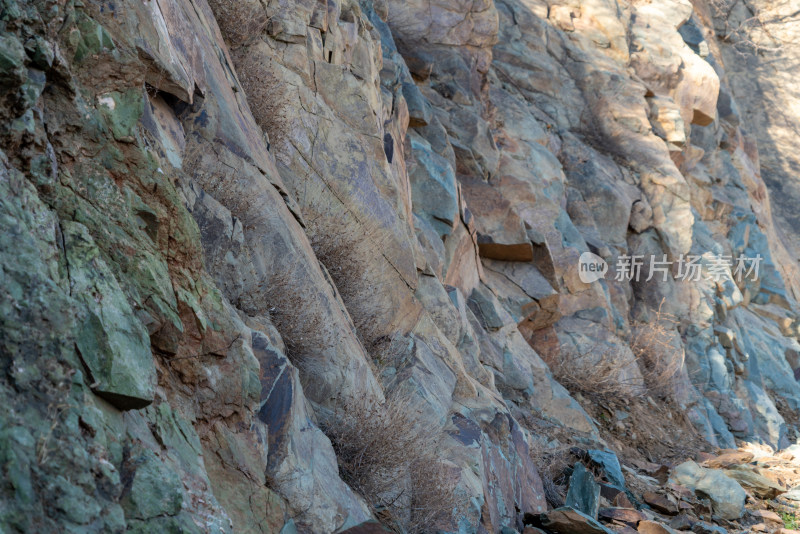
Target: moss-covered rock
<point x="12" y="61"/>
<point x="113" y="343"/>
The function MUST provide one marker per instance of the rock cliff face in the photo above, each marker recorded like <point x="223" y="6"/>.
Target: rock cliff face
<point x="223" y="223"/>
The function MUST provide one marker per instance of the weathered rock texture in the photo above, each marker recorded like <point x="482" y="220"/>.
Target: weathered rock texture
<point x="223" y="221"/>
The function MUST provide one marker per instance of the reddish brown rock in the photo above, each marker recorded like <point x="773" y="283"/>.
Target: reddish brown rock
<point x="729" y="459"/>
<point x="660" y="503"/>
<point x="622" y="515"/>
<point x="501" y="232"/>
<point x="622" y="501"/>
<point x="652" y="527"/>
<point x="682" y="522"/>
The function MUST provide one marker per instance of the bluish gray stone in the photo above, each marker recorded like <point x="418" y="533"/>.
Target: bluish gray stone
<point x="584" y="493"/>
<point x="113" y="342"/>
<point x="726" y="495"/>
<point x="434" y="194"/>
<point x="608" y="461"/>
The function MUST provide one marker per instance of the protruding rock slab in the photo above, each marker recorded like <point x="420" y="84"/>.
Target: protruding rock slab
<point x="434" y="191"/>
<point x="566" y="520"/>
<point x="609" y="463"/>
<point x="749" y="477"/>
<point x="584" y="492"/>
<point x="728" y="459"/>
<point x="501" y="231"/>
<point x="660" y="503"/>
<point x="622" y="515"/>
<point x="113" y="343"/>
<point x="653" y="527"/>
<point x="726" y="495"/>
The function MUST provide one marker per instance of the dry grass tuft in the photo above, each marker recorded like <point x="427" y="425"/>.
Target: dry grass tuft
<point x="269" y="96"/>
<point x="552" y="465"/>
<point x="654" y="346"/>
<point x="597" y="373"/>
<point x="339" y="243"/>
<point x="754" y="32"/>
<point x="239" y="21"/>
<point x="298" y="325"/>
<point x="390" y="456"/>
<point x="334" y="244"/>
<point x="603" y="372"/>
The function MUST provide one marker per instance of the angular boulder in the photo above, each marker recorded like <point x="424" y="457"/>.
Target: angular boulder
<point x="566" y="520"/>
<point x="726" y="495"/>
<point x="113" y="343"/>
<point x="584" y="492"/>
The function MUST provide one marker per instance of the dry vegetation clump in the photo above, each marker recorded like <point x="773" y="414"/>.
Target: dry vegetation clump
<point x="340" y="246"/>
<point x="552" y="465"/>
<point x="603" y="372"/>
<point x="750" y="28"/>
<point x="239" y="21"/>
<point x="284" y="311"/>
<point x="660" y="357"/>
<point x="298" y="325"/>
<point x="269" y="96"/>
<point x="335" y="247"/>
<point x="390" y="456"/>
<point x="600" y="373"/>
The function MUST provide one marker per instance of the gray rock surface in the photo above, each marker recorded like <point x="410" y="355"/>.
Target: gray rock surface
<point x="726" y="495"/>
<point x="222" y="222"/>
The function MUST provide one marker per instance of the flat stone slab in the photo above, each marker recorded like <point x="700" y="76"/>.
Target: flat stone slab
<point x="584" y="492"/>
<point x="566" y="520"/>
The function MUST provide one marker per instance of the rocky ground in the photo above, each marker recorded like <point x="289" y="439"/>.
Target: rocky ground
<point x="313" y="265"/>
<point x="736" y="490"/>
